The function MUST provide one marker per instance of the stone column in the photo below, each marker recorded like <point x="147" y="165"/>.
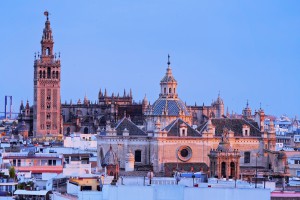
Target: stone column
<point x="154" y="155"/>
<point x="125" y="150"/>
<point x="227" y="169"/>
<point x="219" y="168"/>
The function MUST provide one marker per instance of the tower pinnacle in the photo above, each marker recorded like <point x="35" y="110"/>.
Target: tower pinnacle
<point x="47" y="40"/>
<point x="46" y="13"/>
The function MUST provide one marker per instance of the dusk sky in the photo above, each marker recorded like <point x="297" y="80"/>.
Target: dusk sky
<point x="244" y="49"/>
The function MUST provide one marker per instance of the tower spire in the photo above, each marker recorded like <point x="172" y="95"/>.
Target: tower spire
<point x="47" y="39"/>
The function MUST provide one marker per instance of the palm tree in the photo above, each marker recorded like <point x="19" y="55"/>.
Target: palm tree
<point x="12" y="173"/>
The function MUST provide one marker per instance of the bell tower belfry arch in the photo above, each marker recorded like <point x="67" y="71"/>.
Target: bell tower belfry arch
<point x="46" y="109"/>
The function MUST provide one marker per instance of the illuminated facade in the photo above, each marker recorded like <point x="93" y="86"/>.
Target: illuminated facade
<point x="46" y="108"/>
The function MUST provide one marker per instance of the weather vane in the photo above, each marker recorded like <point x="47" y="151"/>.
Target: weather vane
<point x="46" y="13"/>
<point x="169" y="60"/>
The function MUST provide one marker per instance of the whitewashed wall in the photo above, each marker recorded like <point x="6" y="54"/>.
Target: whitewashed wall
<point x="174" y="192"/>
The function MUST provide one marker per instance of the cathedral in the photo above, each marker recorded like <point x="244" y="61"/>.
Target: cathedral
<point x="175" y="136"/>
<point x="164" y="136"/>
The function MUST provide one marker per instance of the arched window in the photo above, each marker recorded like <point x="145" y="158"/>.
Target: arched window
<point x="41" y="75"/>
<point x="86" y="130"/>
<point x="232" y="169"/>
<point x="48" y="72"/>
<point x="44" y="74"/>
<point x="48" y="51"/>
<point x="53" y="74"/>
<point x="138" y="156"/>
<point x="223" y="169"/>
<point x="68" y="131"/>
<point x="56" y="74"/>
<point x="165" y="90"/>
<point x="170" y="90"/>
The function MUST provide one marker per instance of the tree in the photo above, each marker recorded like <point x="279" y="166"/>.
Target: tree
<point x="12" y="173"/>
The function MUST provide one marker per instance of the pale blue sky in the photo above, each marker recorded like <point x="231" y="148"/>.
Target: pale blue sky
<point x="244" y="49"/>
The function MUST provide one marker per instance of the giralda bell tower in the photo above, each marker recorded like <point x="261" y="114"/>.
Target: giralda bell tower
<point x="46" y="110"/>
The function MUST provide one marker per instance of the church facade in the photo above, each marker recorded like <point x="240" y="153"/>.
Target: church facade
<point x="167" y="135"/>
<point x="174" y="138"/>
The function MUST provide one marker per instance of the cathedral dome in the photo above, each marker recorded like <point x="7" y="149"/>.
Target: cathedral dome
<point x="171" y="107"/>
<point x="224" y="147"/>
<point x="110" y="158"/>
<point x="168" y="102"/>
<point x="224" y="144"/>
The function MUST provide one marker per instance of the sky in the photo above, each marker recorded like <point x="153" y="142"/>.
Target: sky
<point x="246" y="50"/>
